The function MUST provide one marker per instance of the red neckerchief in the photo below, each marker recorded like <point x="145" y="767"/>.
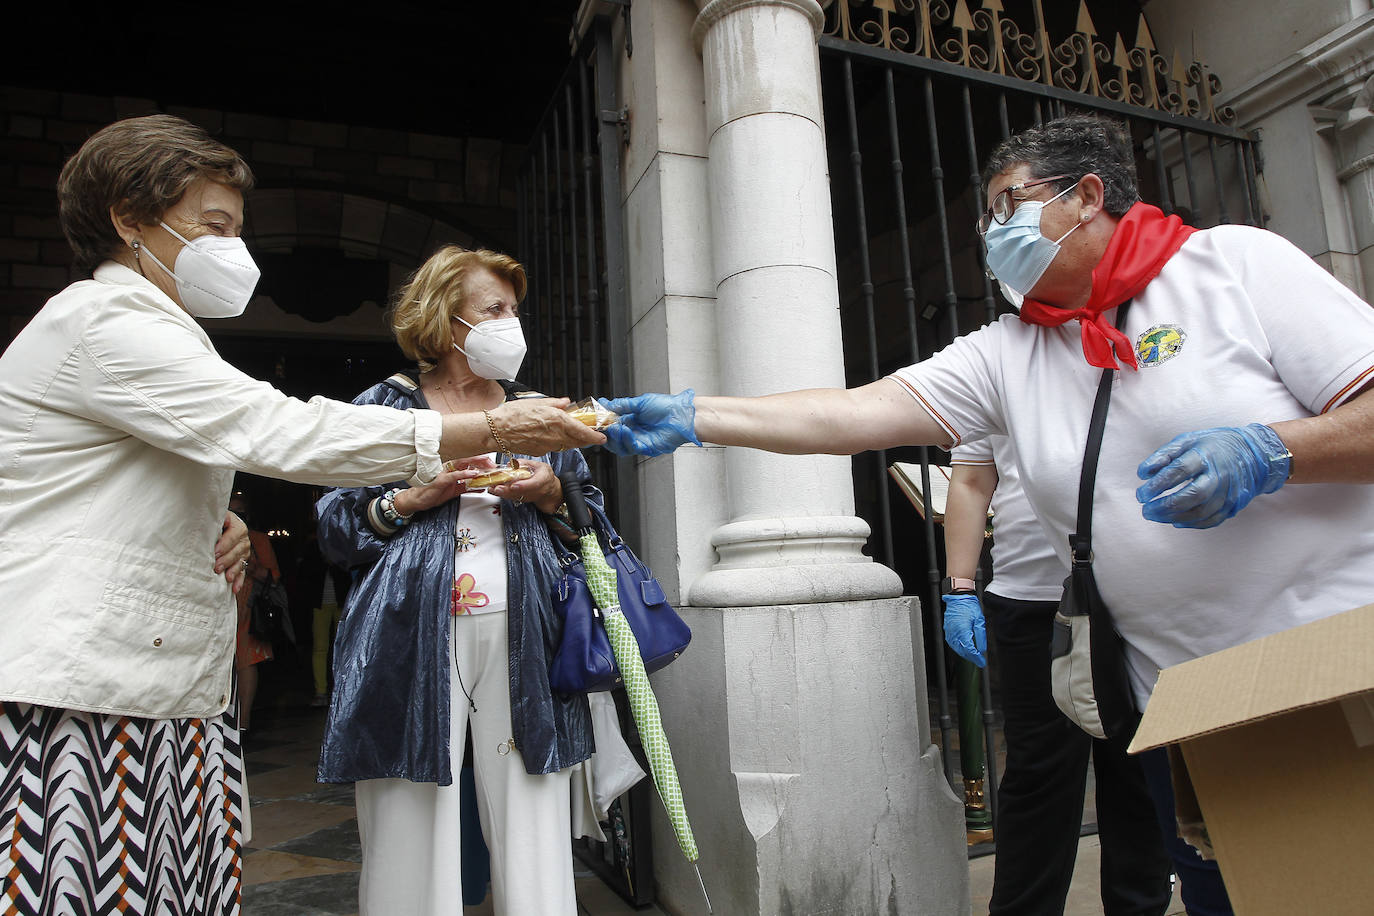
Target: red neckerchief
<point x="1144" y="240"/>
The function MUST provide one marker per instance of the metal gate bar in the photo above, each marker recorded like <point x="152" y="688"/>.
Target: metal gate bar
<point x="571" y="239"/>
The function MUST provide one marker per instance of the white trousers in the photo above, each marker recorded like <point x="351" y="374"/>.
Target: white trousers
<point x="409" y="830"/>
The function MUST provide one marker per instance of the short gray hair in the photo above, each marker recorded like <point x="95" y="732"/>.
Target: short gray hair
<point x="1074" y="145"/>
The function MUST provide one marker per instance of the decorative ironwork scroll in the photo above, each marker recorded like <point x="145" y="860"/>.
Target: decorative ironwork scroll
<point x="986" y="39"/>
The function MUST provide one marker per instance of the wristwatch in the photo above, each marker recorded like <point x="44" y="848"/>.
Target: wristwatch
<point x="955" y="586"/>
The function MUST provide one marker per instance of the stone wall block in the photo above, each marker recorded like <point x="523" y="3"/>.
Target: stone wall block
<point x="317" y="133"/>
<point x="254" y="127"/>
<point x="359" y="163"/>
<point x="271" y="211"/>
<point x="79" y="107"/>
<point x="71" y="134"/>
<point x="453" y="170"/>
<point x="31" y="101"/>
<point x="55" y="253"/>
<point x="38" y="176"/>
<point x="362" y="219"/>
<point x="282" y="154"/>
<point x="132" y="107"/>
<point x="378" y="140"/>
<point x="21" y="151"/>
<point x="18" y="250"/>
<point x="405" y="231"/>
<point x="483" y="170"/>
<point x="405" y="167"/>
<point x="319" y="213"/>
<point x="28" y="126"/>
<point x="29" y="226"/>
<point x="432" y="146"/>
<point x="211" y="120"/>
<point x="32" y="276"/>
<point x="321" y="176"/>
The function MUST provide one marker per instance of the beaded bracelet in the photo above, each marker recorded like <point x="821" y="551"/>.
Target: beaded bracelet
<point x="387" y="505"/>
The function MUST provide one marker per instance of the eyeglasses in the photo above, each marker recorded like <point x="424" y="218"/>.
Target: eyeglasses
<point x="1003" y="204"/>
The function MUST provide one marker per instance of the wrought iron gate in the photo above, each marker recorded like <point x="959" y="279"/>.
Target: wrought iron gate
<point x="914" y="92"/>
<point x="571" y="240"/>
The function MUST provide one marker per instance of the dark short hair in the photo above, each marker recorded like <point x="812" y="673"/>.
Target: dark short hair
<point x="140" y="167"/>
<point x="1074" y="145"/>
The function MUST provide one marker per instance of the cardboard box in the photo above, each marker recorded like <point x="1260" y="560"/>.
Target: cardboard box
<point x="1278" y="738"/>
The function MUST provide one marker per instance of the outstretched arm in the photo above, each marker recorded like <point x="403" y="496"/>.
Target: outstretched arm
<point x="835" y="421"/>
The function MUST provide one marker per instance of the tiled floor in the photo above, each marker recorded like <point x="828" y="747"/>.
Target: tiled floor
<point x="304" y="855"/>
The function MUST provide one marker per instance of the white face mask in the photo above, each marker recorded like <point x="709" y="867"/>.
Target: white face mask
<point x="496" y="348"/>
<point x="215" y="274"/>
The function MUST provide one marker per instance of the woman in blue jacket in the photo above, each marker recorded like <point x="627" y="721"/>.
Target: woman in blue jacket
<point x="450" y="625"/>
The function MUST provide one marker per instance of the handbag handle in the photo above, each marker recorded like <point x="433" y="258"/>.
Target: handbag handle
<point x="1081" y="541"/>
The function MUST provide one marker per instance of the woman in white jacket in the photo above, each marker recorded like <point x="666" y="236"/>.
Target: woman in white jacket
<point x="120" y="432"/>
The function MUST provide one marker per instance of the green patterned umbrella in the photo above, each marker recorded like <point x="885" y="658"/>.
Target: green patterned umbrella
<point x="601" y="579"/>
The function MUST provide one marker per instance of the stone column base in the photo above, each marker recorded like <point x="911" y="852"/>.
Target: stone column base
<point x="802" y="736"/>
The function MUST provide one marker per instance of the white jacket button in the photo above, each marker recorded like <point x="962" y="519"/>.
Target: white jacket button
<point x="157" y="641"/>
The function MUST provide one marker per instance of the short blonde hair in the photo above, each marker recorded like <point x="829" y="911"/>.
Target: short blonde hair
<point x="430" y="297"/>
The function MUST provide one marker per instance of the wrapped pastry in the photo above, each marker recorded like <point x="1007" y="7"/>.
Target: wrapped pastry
<point x="590" y="412"/>
<point x="508" y="474"/>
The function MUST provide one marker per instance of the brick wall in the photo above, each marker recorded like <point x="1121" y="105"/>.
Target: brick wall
<point x="371" y="192"/>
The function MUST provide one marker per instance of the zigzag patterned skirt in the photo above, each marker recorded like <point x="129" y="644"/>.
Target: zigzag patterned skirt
<point x="112" y="814"/>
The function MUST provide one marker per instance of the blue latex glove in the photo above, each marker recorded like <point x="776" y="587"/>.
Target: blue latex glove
<point x="652" y="424"/>
<point x="965" y="630"/>
<point x="1216" y="472"/>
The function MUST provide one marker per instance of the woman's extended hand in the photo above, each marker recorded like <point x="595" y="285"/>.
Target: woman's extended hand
<point x="448" y="485"/>
<point x="231" y="550"/>
<point x="543" y="491"/>
<point x="534" y="426"/>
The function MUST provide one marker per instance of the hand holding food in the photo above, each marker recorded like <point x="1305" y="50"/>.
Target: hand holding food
<point x="590" y="412"/>
<point x="495" y="478"/>
<point x="533" y="426"/>
<point x="455" y="479"/>
<point x="653" y="424"/>
<point x="537" y="486"/>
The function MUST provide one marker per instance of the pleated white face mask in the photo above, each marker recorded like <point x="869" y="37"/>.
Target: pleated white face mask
<point x="215" y="274"/>
<point x="496" y="348"/>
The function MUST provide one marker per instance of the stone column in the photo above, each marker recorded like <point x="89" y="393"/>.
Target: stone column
<point x="1355" y="141"/>
<point x="792" y="535"/>
<point x="799" y="716"/>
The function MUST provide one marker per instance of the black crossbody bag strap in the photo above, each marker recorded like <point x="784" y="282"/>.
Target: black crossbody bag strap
<point x="1081" y="541"/>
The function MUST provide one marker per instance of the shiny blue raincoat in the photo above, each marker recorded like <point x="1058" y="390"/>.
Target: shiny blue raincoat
<point x="390" y="711"/>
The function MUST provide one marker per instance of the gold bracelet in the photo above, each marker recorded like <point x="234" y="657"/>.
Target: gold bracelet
<point x="495" y="436"/>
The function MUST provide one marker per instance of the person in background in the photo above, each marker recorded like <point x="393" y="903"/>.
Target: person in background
<point x="1040" y="796"/>
<point x="251" y="650"/>
<point x="324" y="588"/>
<point x="450" y="626"/>
<point x="1244" y="387"/>
<point x="120" y="431"/>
